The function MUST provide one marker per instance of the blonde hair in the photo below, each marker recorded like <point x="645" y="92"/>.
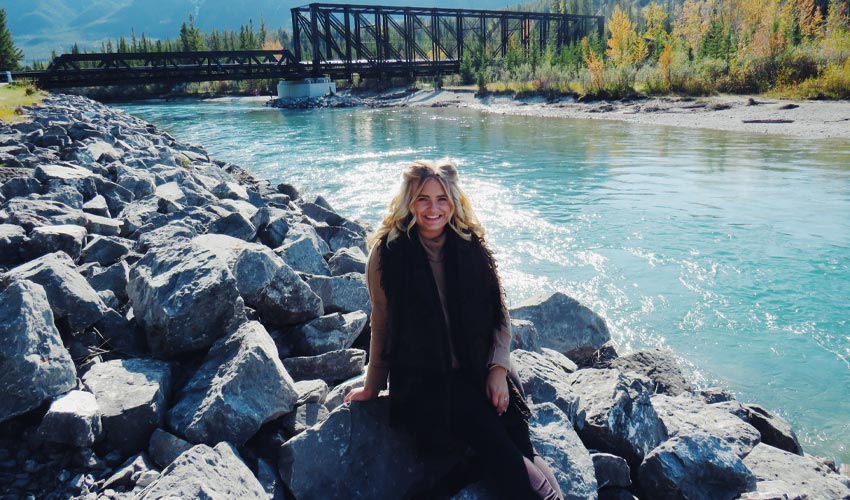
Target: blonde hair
<point x="400" y="217"/>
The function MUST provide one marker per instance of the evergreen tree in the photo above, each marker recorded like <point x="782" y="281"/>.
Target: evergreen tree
<point x="10" y="55"/>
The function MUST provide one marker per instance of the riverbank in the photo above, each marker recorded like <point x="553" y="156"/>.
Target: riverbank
<point x="734" y="113"/>
<point x="236" y="309"/>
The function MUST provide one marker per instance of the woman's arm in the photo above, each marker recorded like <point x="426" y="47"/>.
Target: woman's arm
<point x="500" y="364"/>
<point x="379" y="368"/>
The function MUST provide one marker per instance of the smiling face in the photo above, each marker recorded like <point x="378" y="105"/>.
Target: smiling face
<point x="432" y="209"/>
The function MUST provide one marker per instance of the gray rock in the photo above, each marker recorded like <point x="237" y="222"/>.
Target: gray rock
<point x="73" y="418"/>
<point x="660" y="365"/>
<point x="129" y="472"/>
<point x="79" y="178"/>
<point x="328" y="333"/>
<point x="34" y="366"/>
<point x="122" y="334"/>
<point x="241" y="385"/>
<point x="63" y="194"/>
<point x="564" y="325"/>
<point x="698" y="467"/>
<point x="304" y="417"/>
<point x="544" y="382"/>
<point x="524" y="336"/>
<point x="287" y="300"/>
<point x="165" y="236"/>
<point x="686" y="416"/>
<point x="30" y="213"/>
<point x="106" y="250"/>
<point x="712" y="395"/>
<point x="332" y="367"/>
<point x="774" y="430"/>
<point x="103" y="225"/>
<point x="338" y="238"/>
<point x="230" y="190"/>
<point x="139" y="214"/>
<point x="345" y="293"/>
<point x="12" y="239"/>
<point x="558" y="444"/>
<point x="611" y="470"/>
<point x="184" y="298"/>
<point x="269" y="478"/>
<point x="236" y="225"/>
<point x="301" y="253"/>
<point x="64" y="238"/>
<point x="164" y="447"/>
<point x="20" y="187"/>
<point x="615" y="414"/>
<point x="347" y="260"/>
<point x="97" y="206"/>
<point x="311" y="391"/>
<point x="288" y="190"/>
<point x="132" y="395"/>
<point x="337" y="395"/>
<point x="117" y="197"/>
<point x="272" y="226"/>
<point x="559" y="360"/>
<point x="358" y="440"/>
<point x="138" y="182"/>
<point x="75" y="304"/>
<point x="204" y="472"/>
<point x="114" y="278"/>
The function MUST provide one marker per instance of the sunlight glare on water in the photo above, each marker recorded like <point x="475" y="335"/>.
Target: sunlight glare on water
<point x="730" y="249"/>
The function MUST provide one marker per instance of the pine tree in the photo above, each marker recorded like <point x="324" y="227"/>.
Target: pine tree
<point x="10" y="55"/>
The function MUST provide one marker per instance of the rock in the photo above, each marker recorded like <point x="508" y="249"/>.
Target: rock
<point x="269" y="478"/>
<point x="164" y="236"/>
<point x="302" y="254"/>
<point x="288" y="190"/>
<point x="712" y="395"/>
<point x="122" y="334"/>
<point x="138" y="182"/>
<point x="79" y="178"/>
<point x="34" y="366"/>
<point x="564" y="325"/>
<point x="336" y="396"/>
<point x="141" y="213"/>
<point x="106" y="250"/>
<point x="544" y="382"/>
<point x="97" y="206"/>
<point x="236" y="225"/>
<point x="64" y="194"/>
<point x="660" y="365"/>
<point x="345" y="293"/>
<point x="164" y="447"/>
<point x="75" y="304"/>
<point x="271" y="225"/>
<point x="204" y="472"/>
<point x="20" y="187"/>
<point x="371" y="459"/>
<point x="611" y="470"/>
<point x="184" y="298"/>
<point x="304" y="417"/>
<point x="339" y="238"/>
<point x="774" y="430"/>
<point x="686" y="416"/>
<point x="12" y="239"/>
<point x="332" y="367"/>
<point x="103" y="225"/>
<point x="614" y="413"/>
<point x="287" y="300"/>
<point x="114" y="278"/>
<point x="230" y="190"/>
<point x="64" y="238"/>
<point x="310" y="391"/>
<point x="117" y="197"/>
<point x="524" y="336"/>
<point x="558" y="444"/>
<point x="241" y="385"/>
<point x="30" y="213"/>
<point x="559" y="360"/>
<point x="132" y="395"/>
<point x="347" y="260"/>
<point x="129" y="472"/>
<point x="328" y="333"/>
<point x="698" y="467"/>
<point x="74" y="419"/>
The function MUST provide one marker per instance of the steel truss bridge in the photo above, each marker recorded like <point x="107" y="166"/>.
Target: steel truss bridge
<point x="338" y="40"/>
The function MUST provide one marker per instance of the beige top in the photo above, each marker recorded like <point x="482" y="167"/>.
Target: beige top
<point x="379" y="369"/>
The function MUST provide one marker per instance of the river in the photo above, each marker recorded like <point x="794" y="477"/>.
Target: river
<point x="730" y="249"/>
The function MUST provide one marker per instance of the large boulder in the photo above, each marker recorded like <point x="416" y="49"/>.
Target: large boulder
<point x="687" y="416"/>
<point x="74" y="302"/>
<point x="565" y="325"/>
<point x="328" y="333"/>
<point x="34" y="366"/>
<point x="66" y="238"/>
<point x="347" y="260"/>
<point x="303" y="253"/>
<point x="699" y="467"/>
<point x="12" y="239"/>
<point x="524" y="336"/>
<point x="345" y="293"/>
<point x="288" y="300"/>
<point x="556" y="441"/>
<point x="240" y="386"/>
<point x="544" y="382"/>
<point x="184" y="297"/>
<point x="31" y="212"/>
<point x="204" y="472"/>
<point x="774" y="430"/>
<point x="660" y="365"/>
<point x="332" y="367"/>
<point x="781" y="474"/>
<point x="132" y="395"/>
<point x="614" y="413"/>
<point x="73" y="418"/>
<point x="106" y="250"/>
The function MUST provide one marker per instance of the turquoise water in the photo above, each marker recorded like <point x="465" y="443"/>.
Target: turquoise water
<point x="731" y="249"/>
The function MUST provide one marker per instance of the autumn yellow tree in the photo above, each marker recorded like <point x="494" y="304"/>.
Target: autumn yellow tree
<point x="654" y="17"/>
<point x="595" y="65"/>
<point x="810" y="19"/>
<point x="624" y="45"/>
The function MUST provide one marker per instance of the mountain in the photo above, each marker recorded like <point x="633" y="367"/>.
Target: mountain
<point x="39" y="26"/>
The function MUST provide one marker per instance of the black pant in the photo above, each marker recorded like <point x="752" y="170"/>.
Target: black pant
<point x="503" y="454"/>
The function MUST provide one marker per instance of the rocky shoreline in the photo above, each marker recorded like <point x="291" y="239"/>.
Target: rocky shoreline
<point x="173" y="326"/>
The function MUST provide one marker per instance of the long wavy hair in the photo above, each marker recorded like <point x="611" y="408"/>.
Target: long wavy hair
<point x="400" y="219"/>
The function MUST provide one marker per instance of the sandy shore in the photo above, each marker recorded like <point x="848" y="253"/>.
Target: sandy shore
<point x="752" y="114"/>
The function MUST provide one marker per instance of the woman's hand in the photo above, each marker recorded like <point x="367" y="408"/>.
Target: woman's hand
<point x="361" y="394"/>
<point x="497" y="388"/>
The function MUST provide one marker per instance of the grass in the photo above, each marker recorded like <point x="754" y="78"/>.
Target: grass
<point x="12" y="97"/>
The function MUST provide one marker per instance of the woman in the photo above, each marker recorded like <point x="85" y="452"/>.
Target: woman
<point x="440" y="331"/>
